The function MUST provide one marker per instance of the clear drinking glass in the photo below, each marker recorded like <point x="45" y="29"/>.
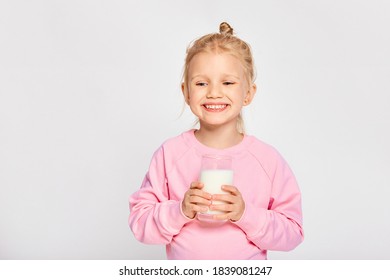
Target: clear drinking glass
<point x="216" y="170"/>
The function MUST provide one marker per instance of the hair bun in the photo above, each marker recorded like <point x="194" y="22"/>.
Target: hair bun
<point x="225" y="29"/>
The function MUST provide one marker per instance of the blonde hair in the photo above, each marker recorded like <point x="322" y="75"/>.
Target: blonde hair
<point x="223" y="42"/>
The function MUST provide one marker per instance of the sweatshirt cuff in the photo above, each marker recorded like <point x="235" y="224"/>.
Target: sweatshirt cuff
<point x="253" y="220"/>
<point x="173" y="219"/>
<point x="179" y="215"/>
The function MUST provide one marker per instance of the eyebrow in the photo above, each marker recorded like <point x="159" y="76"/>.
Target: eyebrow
<point x="225" y="75"/>
<point x="196" y="76"/>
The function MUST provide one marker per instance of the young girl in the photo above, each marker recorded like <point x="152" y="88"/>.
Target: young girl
<point x="261" y="211"/>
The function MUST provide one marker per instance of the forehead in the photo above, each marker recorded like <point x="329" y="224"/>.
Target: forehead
<point x="205" y="63"/>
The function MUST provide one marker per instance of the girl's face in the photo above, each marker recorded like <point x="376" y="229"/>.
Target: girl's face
<point x="217" y="88"/>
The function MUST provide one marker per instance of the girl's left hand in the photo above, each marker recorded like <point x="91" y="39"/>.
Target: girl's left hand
<point x="235" y="204"/>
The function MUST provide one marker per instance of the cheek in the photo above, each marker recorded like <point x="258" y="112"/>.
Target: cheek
<point x="238" y="94"/>
<point x="194" y="94"/>
<point x="192" y="99"/>
<point x="244" y="92"/>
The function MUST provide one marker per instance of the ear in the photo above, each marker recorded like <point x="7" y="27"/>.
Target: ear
<point x="250" y="94"/>
<point x="184" y="90"/>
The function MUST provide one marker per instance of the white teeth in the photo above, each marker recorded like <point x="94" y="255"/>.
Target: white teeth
<point x="215" y="107"/>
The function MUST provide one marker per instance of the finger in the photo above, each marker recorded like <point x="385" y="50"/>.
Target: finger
<point x="200" y="208"/>
<point x="224" y="197"/>
<point x="197" y="192"/>
<point x="223" y="207"/>
<point x="232" y="189"/>
<point x="233" y="216"/>
<point x="197" y="208"/>
<point x="196" y="185"/>
<point x="199" y="200"/>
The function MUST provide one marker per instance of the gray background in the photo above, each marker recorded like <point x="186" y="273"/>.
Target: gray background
<point x="90" y="89"/>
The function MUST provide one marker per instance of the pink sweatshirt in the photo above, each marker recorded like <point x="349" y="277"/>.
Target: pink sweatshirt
<point x="272" y="219"/>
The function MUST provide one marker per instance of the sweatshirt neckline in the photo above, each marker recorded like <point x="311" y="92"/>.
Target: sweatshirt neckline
<point x="203" y="149"/>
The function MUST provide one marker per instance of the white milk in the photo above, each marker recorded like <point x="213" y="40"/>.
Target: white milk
<point x="213" y="180"/>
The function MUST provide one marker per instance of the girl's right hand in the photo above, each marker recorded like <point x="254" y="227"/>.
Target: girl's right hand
<point x="195" y="200"/>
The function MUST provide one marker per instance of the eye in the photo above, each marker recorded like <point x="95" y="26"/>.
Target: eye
<point x="228" y="83"/>
<point x="201" y="84"/>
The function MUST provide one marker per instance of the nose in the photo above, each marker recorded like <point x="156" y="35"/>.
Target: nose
<point x="214" y="91"/>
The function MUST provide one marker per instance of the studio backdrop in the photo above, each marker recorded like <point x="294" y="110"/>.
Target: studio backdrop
<point x="90" y="89"/>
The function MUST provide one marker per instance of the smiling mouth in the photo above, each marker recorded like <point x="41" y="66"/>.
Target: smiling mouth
<point x="215" y="107"/>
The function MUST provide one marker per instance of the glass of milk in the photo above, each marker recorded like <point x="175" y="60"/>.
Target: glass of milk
<point x="216" y="171"/>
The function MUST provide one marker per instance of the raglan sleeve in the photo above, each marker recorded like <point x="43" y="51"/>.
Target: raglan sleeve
<point x="155" y="218"/>
<point x="279" y="227"/>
